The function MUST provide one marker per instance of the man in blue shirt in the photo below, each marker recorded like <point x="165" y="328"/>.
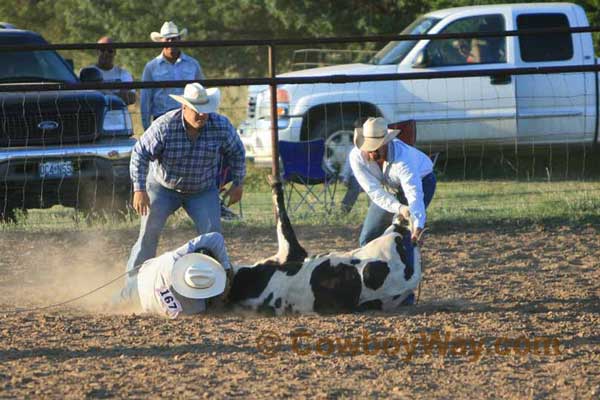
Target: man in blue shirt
<point x="170" y="65"/>
<point x="176" y="163"/>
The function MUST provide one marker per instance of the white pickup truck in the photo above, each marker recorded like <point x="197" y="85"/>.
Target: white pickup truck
<point x="450" y="113"/>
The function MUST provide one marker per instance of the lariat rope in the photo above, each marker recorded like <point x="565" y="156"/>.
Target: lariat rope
<point x="422" y="269"/>
<point x="62" y="303"/>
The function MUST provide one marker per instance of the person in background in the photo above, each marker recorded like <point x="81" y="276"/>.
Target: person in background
<point x="170" y="65"/>
<point x="176" y="163"/>
<point x="113" y="73"/>
<point x="463" y="48"/>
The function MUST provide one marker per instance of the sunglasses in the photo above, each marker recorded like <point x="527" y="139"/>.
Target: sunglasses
<point x="107" y="51"/>
<point x="172" y="39"/>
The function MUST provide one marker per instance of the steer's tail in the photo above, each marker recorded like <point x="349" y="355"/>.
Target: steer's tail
<point x="290" y="249"/>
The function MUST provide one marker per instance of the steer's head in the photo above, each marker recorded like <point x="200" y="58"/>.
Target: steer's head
<point x="400" y="225"/>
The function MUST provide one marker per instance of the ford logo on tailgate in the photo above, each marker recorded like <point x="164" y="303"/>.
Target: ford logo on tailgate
<point x="48" y="125"/>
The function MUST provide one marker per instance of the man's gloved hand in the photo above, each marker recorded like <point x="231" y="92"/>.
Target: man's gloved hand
<point x="416" y="234"/>
<point x="404" y="212"/>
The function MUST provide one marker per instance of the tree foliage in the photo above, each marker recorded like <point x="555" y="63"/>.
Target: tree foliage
<point x="84" y="21"/>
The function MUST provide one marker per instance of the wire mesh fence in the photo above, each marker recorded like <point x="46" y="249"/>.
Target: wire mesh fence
<point x="64" y="147"/>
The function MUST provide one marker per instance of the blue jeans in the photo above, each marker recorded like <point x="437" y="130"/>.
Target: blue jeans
<point x="378" y="220"/>
<point x="351" y="195"/>
<point x="202" y="207"/>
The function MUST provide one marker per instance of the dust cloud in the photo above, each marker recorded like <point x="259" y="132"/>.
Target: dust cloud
<point x="76" y="264"/>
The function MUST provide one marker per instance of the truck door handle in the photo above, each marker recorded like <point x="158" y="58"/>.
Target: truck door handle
<point x="500" y="79"/>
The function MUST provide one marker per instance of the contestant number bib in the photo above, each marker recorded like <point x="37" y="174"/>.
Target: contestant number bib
<point x="169" y="302"/>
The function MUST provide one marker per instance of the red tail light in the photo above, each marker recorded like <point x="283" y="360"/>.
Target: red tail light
<point x="408" y="131"/>
<point x="283" y="96"/>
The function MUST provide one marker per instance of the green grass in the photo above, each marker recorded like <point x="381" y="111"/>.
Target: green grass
<point x="456" y="203"/>
<point x="509" y="202"/>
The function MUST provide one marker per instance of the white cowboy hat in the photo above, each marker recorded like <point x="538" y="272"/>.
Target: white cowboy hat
<point x="202" y="100"/>
<point x="197" y="276"/>
<point x="168" y="30"/>
<point x="373" y="134"/>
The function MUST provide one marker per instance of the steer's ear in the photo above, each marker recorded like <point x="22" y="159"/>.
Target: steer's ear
<point x="399" y="225"/>
<point x="289" y="247"/>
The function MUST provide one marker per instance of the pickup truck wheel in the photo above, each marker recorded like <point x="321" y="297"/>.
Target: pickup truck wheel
<point x="337" y="148"/>
<point x="338" y="133"/>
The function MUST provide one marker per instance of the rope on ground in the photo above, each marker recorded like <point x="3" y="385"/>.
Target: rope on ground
<point x="62" y="303"/>
<point x="422" y="269"/>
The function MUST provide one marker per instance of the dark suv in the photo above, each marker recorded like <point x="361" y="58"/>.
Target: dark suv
<point x="59" y="147"/>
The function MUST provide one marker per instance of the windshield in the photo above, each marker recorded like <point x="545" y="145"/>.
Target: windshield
<point x="34" y="66"/>
<point x="394" y="52"/>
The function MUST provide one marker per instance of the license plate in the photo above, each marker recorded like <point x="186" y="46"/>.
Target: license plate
<point x="56" y="169"/>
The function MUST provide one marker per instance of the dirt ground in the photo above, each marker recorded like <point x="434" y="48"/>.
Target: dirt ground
<point x="503" y="313"/>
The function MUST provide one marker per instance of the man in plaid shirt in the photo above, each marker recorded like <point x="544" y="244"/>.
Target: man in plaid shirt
<point x="176" y="164"/>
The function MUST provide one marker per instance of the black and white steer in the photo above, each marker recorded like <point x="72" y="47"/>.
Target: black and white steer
<point x="375" y="276"/>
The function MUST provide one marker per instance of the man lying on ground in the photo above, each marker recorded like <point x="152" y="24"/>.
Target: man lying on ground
<point x="180" y="281"/>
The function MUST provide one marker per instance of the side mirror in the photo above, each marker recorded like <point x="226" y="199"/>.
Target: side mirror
<point x="69" y="62"/>
<point x="421" y="60"/>
<point x="90" y="74"/>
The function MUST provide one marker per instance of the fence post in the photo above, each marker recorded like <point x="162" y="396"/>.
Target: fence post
<point x="274" y="128"/>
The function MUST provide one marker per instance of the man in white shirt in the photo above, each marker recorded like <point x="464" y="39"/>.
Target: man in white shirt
<point x="180" y="281"/>
<point x="398" y="179"/>
<point x="113" y="73"/>
<point x="170" y="65"/>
